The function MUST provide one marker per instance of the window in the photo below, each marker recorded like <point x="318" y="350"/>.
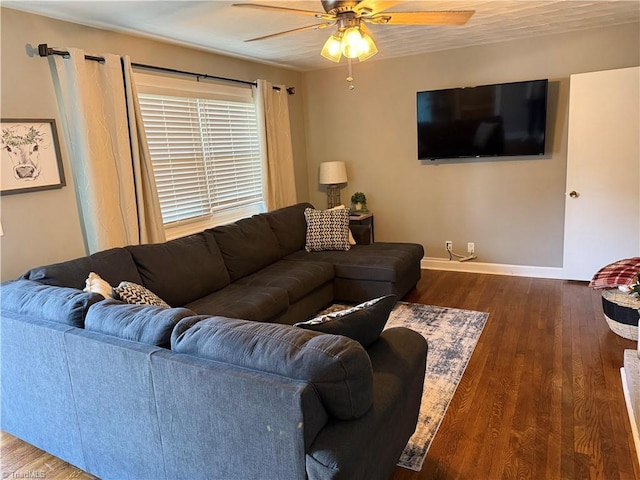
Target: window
<point x="205" y="149"/>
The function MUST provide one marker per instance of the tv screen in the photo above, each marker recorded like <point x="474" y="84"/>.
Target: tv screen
<point x="483" y="121"/>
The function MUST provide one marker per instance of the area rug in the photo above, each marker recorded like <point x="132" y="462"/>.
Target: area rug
<point x="452" y="335"/>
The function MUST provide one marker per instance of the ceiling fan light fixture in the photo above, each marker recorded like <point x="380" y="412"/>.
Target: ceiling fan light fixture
<point x="332" y="49"/>
<point x="352" y="42"/>
<point x="369" y="49"/>
<point x="352" y="39"/>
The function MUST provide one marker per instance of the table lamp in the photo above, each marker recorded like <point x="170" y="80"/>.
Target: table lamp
<point x="332" y="174"/>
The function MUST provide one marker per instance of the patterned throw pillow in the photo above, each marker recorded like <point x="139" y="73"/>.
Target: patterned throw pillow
<point x="130" y="292"/>
<point x="363" y="323"/>
<point x="327" y="229"/>
<point x="620" y="273"/>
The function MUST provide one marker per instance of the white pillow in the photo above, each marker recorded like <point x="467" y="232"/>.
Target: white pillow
<point x="352" y="240"/>
<point x="96" y="284"/>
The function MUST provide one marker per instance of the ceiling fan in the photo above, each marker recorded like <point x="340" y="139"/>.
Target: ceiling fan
<point x="352" y="39"/>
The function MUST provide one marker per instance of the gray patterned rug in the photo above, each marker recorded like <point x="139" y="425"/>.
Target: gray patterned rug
<point x="452" y="335"/>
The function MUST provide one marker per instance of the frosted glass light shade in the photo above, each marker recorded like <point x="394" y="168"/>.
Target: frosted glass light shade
<point x="332" y="173"/>
<point x="332" y="49"/>
<point x="352" y="42"/>
<point x="369" y="48"/>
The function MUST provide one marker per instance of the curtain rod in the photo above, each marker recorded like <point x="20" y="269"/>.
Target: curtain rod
<point x="44" y="51"/>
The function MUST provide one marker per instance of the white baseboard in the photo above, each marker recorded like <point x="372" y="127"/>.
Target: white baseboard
<point x="632" y="419"/>
<point x="431" y="263"/>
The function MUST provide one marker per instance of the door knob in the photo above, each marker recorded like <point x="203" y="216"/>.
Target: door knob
<point x="574" y="194"/>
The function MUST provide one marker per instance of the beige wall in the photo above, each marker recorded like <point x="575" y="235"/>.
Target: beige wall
<point x="44" y="227"/>
<point x="512" y="208"/>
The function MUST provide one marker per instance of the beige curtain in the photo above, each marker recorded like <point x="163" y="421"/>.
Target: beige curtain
<point x="110" y="163"/>
<point x="279" y="178"/>
<point x="150" y="225"/>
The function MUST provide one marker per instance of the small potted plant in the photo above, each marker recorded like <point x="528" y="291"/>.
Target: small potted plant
<point x="358" y="202"/>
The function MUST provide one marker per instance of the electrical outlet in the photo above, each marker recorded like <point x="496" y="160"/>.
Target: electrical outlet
<point x="471" y="248"/>
<point x="448" y="245"/>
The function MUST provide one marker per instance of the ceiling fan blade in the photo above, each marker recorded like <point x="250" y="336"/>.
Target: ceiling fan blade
<point x="284" y="10"/>
<point x="317" y="26"/>
<point x="459" y="17"/>
<point x="372" y="7"/>
<point x="365" y="29"/>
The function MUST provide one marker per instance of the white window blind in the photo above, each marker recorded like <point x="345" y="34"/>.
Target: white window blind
<point x="205" y="151"/>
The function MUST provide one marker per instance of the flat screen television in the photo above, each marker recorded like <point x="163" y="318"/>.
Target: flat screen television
<point x="484" y="121"/>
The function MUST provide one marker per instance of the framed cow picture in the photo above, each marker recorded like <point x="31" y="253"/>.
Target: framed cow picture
<point x="30" y="156"/>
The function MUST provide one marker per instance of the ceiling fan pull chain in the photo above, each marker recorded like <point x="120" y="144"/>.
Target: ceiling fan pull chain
<point x="350" y="77"/>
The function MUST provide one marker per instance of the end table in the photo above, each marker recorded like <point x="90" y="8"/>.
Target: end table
<point x="361" y="225"/>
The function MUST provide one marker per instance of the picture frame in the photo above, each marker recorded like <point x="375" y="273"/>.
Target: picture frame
<point x="30" y="157"/>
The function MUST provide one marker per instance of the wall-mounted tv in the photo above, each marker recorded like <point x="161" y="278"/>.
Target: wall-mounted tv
<point x="484" y="121"/>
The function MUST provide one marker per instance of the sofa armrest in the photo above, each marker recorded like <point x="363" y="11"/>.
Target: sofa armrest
<point x="398" y="361"/>
<point x="55" y="304"/>
<point x="404" y="344"/>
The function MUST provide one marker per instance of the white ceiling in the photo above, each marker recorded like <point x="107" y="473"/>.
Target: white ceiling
<point x="220" y="27"/>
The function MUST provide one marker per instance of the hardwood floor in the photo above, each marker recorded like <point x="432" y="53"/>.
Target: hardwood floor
<point x="23" y="461"/>
<point x="541" y="397"/>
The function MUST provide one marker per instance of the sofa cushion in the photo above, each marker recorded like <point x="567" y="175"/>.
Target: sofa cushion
<point x="298" y="279"/>
<point x="338" y="367"/>
<point x="57" y="304"/>
<point x="261" y="304"/>
<point x="181" y="270"/>
<point x="327" y="229"/>
<point x="363" y="323"/>
<point x="246" y="245"/>
<point x="386" y="262"/>
<point x="113" y="265"/>
<point x="140" y="323"/>
<point x="289" y="226"/>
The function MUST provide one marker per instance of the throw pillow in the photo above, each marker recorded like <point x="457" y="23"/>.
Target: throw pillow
<point x="622" y="272"/>
<point x="130" y="292"/>
<point x="352" y="241"/>
<point x="327" y="229"/>
<point x="363" y="323"/>
<point x="95" y="284"/>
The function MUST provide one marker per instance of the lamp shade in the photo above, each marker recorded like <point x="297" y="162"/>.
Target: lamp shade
<point x="332" y="173"/>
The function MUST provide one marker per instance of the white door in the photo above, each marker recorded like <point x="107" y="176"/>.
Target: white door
<point x="602" y="206"/>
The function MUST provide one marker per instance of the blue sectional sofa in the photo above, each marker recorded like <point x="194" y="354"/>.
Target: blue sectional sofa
<point x="220" y="384"/>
